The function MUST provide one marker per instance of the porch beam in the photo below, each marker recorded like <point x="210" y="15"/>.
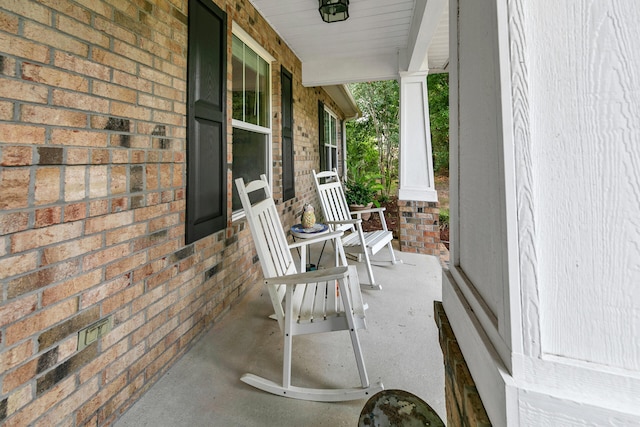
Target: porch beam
<point x="323" y="71"/>
<point x="423" y="27"/>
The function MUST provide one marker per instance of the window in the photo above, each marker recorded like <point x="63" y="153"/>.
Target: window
<point x="330" y="141"/>
<point x="251" y="112"/>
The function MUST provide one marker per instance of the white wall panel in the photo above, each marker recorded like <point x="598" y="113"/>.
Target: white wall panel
<point x="585" y="81"/>
<point x="480" y="189"/>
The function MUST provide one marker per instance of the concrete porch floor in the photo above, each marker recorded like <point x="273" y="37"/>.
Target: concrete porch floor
<point x="400" y="349"/>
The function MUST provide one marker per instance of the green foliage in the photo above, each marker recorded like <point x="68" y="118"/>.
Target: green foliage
<point x="438" y="86"/>
<point x="361" y="188"/>
<point x="444" y="218"/>
<point x="372" y="140"/>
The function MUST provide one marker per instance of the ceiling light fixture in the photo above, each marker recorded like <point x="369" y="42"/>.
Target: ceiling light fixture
<point x="334" y="10"/>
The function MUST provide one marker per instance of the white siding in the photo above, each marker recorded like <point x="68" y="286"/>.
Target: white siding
<point x="585" y="107"/>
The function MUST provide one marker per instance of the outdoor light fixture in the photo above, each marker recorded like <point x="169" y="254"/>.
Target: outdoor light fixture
<point x="334" y="10"/>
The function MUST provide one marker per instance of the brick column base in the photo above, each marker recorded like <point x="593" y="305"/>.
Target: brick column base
<point x="419" y="227"/>
<point x="464" y="406"/>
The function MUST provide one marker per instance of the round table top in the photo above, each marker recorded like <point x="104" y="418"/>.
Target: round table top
<point x="398" y="408"/>
<point x="305" y="233"/>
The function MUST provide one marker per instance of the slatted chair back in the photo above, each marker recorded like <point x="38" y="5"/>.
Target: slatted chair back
<point x="269" y="237"/>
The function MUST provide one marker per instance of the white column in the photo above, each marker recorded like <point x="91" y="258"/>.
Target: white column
<point x="416" y="162"/>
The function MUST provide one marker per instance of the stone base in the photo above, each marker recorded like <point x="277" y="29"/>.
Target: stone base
<point x="464" y="407"/>
<point x="419" y="227"/>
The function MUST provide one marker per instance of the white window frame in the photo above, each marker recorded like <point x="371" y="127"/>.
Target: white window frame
<point x="239" y="124"/>
<point x="334" y="143"/>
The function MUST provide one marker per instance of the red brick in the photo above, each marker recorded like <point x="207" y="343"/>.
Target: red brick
<point x="118" y="180"/>
<point x="108" y="222"/>
<point x="22" y="48"/>
<point x="10" y="133"/>
<point x="10" y="312"/>
<point x="120" y="156"/>
<point x="98" y="185"/>
<point x="105" y="290"/>
<point x="121" y="299"/>
<point x="133" y="53"/>
<point x="112" y="91"/>
<point x="130" y="111"/>
<point x="119" y="204"/>
<point x="45" y="402"/>
<point x="124" y="265"/>
<point x="16" y="155"/>
<point x="99" y="156"/>
<point x="68" y="8"/>
<point x="82" y="31"/>
<point x="13" y="222"/>
<point x="126" y="233"/>
<point x="19" y="376"/>
<point x="105" y="256"/>
<point x="98" y="208"/>
<point x="34" y="11"/>
<point x="14" y="187"/>
<point x="70" y="287"/>
<point x="47" y="188"/>
<point x="54" y="416"/>
<point x="23" y="91"/>
<point x="112" y="60"/>
<point x="40" y="321"/>
<point x="112" y="29"/>
<point x="75" y="212"/>
<point x="80" y="101"/>
<point x="15" y="356"/>
<point x="9" y="23"/>
<point x="6" y="110"/>
<point x="50" y="37"/>
<point x="132" y="81"/>
<point x="52" y="116"/>
<point x="19" y="399"/>
<point x="47" y="217"/>
<point x="74" y="183"/>
<point x="78" y="138"/>
<point x="91" y="406"/>
<point x="32" y="239"/>
<point x="72" y="249"/>
<point x="77" y="156"/>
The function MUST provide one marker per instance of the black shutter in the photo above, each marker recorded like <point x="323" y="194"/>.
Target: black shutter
<point x="323" y="154"/>
<point x="288" y="172"/>
<point x="206" y="120"/>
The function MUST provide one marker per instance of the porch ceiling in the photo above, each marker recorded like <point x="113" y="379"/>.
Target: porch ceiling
<point x="380" y="39"/>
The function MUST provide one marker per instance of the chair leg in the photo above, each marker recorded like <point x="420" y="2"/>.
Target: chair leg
<point x="353" y="332"/>
<point x="392" y="254"/>
<point x="367" y="259"/>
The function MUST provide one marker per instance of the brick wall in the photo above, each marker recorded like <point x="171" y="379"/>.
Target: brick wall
<point x="464" y="406"/>
<point x="419" y="227"/>
<point x="92" y="202"/>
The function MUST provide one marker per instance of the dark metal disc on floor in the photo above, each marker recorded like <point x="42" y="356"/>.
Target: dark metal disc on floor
<point x="398" y="408"/>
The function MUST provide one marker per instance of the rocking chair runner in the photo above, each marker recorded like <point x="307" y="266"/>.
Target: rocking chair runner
<point x="337" y="215"/>
<point x="305" y="303"/>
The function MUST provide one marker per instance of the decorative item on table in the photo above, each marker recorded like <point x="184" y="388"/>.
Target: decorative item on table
<point x="308" y="216"/>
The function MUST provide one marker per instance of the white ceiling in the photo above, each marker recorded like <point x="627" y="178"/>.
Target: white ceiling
<point x="380" y="39"/>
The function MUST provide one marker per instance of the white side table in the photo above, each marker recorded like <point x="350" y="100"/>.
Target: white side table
<point x="298" y="231"/>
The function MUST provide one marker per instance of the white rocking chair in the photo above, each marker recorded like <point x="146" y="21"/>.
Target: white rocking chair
<point x="354" y="241"/>
<point x="305" y="303"/>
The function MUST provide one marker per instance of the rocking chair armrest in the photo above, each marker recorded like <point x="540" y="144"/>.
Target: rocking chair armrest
<point x="309" y="276"/>
<point x="320" y="238"/>
<point x="345" y="222"/>
<point x="371" y="210"/>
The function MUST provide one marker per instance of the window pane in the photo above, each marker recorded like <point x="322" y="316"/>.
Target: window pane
<point x="263" y="100"/>
<point x="249" y="158"/>
<point x="237" y="79"/>
<point x="251" y="86"/>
